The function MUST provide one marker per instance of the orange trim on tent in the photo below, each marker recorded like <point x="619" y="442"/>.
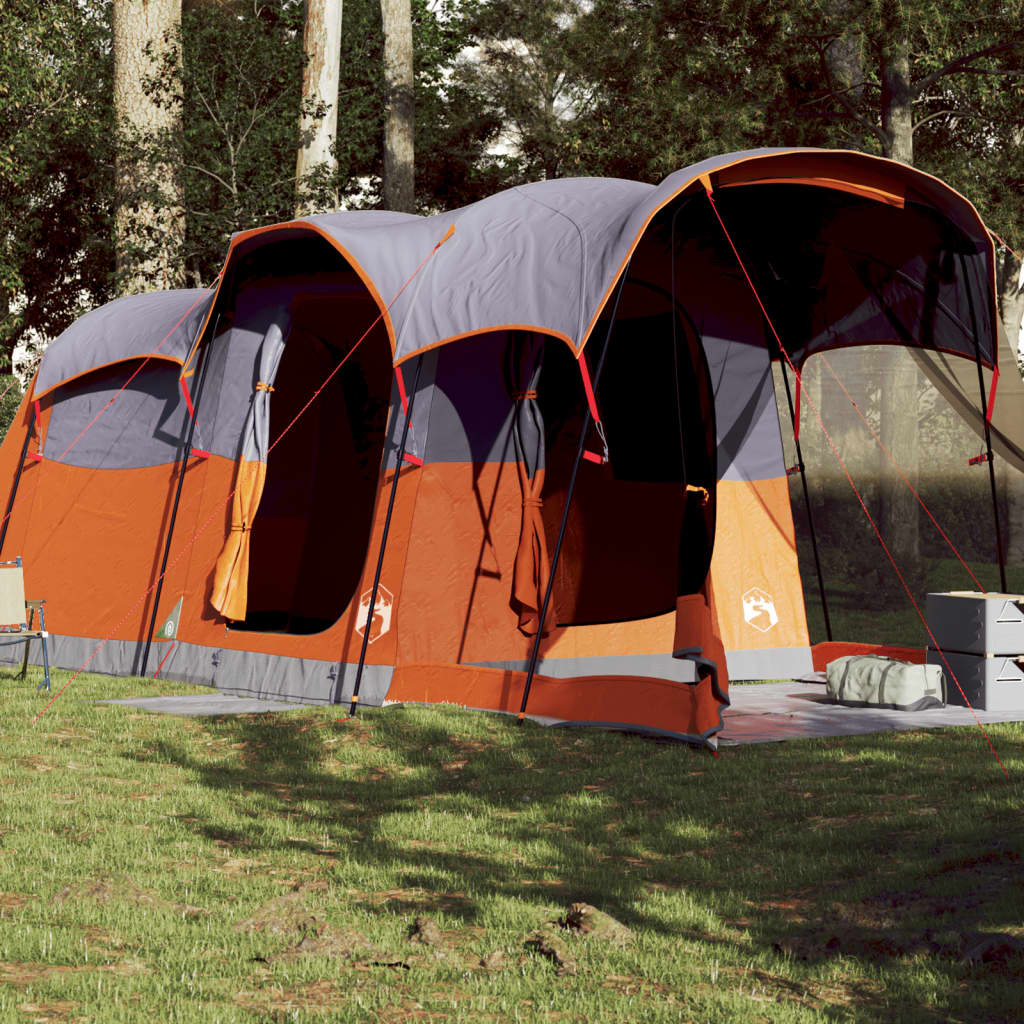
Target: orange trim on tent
<point x="300" y="225"/>
<point x="489" y="330"/>
<point x="803" y="155"/>
<point x="823" y="653"/>
<point x="890" y="198"/>
<point x="140" y="356"/>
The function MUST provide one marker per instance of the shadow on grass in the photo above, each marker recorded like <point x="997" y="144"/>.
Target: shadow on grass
<point x="813" y="849"/>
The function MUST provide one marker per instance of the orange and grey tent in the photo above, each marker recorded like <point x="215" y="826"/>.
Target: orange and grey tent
<point x="222" y="515"/>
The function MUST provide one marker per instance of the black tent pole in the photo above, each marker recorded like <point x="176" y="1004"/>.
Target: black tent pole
<point x="399" y="459"/>
<point x="17" y="479"/>
<point x="807" y="501"/>
<point x="182" y="467"/>
<point x="988" y="431"/>
<point x="532" y="668"/>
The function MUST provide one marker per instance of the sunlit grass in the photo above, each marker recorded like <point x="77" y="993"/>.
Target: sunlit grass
<point x="135" y="847"/>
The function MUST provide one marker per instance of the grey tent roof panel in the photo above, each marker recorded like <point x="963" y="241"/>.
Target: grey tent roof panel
<point x="542" y="257"/>
<point x="160" y="325"/>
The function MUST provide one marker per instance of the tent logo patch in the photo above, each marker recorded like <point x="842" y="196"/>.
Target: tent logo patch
<point x="169" y="630"/>
<point x="759" y="609"/>
<point x="382" y="608"/>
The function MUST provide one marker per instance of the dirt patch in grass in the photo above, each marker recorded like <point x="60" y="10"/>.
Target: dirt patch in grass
<point x="237" y="866"/>
<point x="121" y="889"/>
<point x="22" y="974"/>
<point x="316" y="998"/>
<point x="417" y="900"/>
<point x="11" y="901"/>
<point x="287" y="916"/>
<point x="57" y="1010"/>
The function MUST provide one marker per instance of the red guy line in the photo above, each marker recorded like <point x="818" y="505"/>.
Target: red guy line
<point x="220" y="506"/>
<point x="889" y="456"/>
<point x="28" y="494"/>
<point x="849" y="478"/>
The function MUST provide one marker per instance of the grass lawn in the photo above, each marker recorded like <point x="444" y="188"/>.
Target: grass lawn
<point x="854" y="620"/>
<point x="155" y="868"/>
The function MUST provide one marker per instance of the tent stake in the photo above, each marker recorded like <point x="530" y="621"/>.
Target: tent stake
<point x="17" y="479"/>
<point x="807" y="502"/>
<point x="399" y="459"/>
<point x="534" y="653"/>
<point x="988" y="431"/>
<point x="182" y="467"/>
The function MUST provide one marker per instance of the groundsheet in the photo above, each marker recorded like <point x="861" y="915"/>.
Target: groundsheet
<point x="759" y="713"/>
<point x="206" y="704"/>
<point x="769" y="712"/>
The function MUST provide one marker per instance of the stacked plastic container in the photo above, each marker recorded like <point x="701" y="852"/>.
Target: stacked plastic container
<point x="982" y="638"/>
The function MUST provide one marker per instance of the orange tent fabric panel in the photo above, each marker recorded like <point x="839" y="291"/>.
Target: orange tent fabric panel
<point x="625" y="700"/>
<point x="754" y="570"/>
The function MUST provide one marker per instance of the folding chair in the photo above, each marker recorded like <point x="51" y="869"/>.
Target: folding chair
<point x="14" y="629"/>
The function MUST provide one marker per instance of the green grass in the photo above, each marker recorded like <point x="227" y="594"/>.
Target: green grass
<point x="855" y="618"/>
<point x="134" y="846"/>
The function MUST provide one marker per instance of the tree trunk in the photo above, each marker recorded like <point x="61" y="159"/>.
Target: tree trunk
<point x="901" y="385"/>
<point x="897" y="102"/>
<point x="844" y="55"/>
<point x="399" y="182"/>
<point x="899" y="432"/>
<point x="149" y="224"/>
<point x="318" y="119"/>
<point x="1011" y="482"/>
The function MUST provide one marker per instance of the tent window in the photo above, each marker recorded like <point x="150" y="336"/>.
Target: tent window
<point x="310" y="536"/>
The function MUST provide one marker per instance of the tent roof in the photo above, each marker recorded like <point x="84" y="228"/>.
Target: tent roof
<point x="542" y="257"/>
<point x="570" y="239"/>
<point x="160" y="325"/>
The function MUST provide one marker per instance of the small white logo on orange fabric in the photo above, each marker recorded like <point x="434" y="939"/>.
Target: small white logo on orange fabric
<point x="759" y="609"/>
<point x="382" y="609"/>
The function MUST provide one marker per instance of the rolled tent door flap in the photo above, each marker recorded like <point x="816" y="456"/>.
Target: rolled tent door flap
<point x="231" y="572"/>
<point x="532" y="567"/>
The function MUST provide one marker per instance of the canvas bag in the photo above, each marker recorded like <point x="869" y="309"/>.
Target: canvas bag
<point x="869" y="680"/>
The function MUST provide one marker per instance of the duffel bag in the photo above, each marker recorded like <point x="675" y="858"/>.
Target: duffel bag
<point x="869" y="680"/>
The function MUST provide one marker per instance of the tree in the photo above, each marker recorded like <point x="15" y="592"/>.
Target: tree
<point x="399" y="128"/>
<point x="150" y="219"/>
<point x="897" y="75"/>
<point x="318" y="115"/>
<point x="56" y="119"/>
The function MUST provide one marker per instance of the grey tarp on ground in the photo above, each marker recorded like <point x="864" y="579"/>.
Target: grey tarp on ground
<point x="161" y="324"/>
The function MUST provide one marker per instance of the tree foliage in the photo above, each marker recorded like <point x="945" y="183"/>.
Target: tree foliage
<point x="56" y="166"/>
<point x="505" y="91"/>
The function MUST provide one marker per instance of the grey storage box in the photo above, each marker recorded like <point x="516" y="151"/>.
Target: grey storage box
<point x="977" y="623"/>
<point x="869" y="680"/>
<point x="991" y="683"/>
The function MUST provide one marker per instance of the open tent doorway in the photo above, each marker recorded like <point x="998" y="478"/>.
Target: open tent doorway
<point x="641" y="527"/>
<point x="312" y="528"/>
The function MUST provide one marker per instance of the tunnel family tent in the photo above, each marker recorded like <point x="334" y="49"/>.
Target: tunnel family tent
<point x="547" y="303"/>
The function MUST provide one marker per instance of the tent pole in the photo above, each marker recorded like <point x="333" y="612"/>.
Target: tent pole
<point x="807" y="502"/>
<point x="17" y="479"/>
<point x="988" y="432"/>
<point x="532" y="668"/>
<point x="182" y="467"/>
<point x="399" y="459"/>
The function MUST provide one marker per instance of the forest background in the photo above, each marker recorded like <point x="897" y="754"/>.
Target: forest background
<point x="137" y="135"/>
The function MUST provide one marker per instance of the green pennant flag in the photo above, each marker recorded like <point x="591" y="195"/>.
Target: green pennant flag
<point x="169" y="630"/>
